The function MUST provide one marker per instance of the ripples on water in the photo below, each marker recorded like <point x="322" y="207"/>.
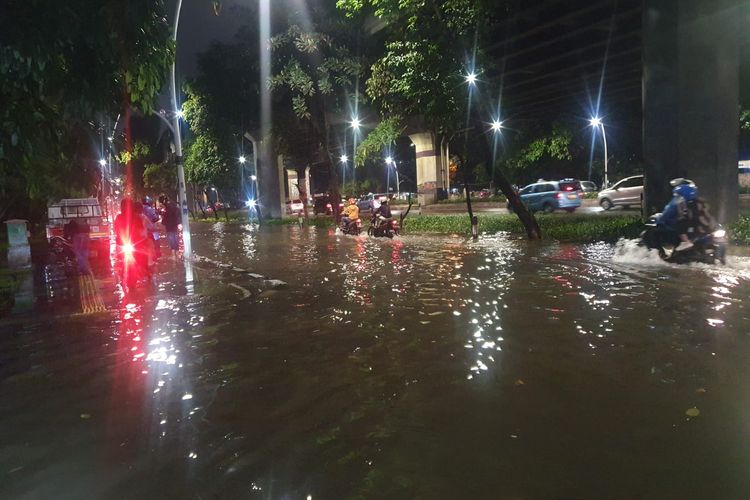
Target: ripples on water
<point x="419" y="366"/>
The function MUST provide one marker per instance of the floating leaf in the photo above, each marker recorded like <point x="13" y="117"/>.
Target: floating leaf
<point x="692" y="412"/>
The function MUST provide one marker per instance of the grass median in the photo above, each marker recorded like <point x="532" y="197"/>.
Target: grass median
<point x="561" y="227"/>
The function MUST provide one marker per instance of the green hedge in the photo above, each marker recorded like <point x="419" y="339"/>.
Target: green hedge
<point x="562" y="227"/>
<point x="739" y="232"/>
<point x="10" y="280"/>
<point x="499" y="198"/>
<point x="324" y="222"/>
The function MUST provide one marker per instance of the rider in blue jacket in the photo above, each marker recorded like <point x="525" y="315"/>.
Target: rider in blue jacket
<point x="673" y="223"/>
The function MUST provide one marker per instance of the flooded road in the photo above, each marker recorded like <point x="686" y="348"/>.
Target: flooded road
<point x="422" y="367"/>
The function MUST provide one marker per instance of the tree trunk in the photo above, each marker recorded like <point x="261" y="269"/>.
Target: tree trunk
<point x="527" y="218"/>
<point x="408" y="209"/>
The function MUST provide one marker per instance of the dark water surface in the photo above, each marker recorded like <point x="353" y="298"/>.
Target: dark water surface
<point x="423" y="367"/>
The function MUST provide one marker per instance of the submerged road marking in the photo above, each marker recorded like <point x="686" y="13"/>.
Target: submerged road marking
<point x="91" y="299"/>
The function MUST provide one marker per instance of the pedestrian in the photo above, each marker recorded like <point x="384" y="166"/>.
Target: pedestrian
<point x="80" y="232"/>
<point x="153" y="216"/>
<point x="171" y="221"/>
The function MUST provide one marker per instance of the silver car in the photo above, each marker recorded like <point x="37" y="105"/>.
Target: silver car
<point x="626" y="192"/>
<point x="588" y="187"/>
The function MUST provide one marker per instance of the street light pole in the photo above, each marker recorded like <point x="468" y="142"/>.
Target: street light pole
<point x="181" y="191"/>
<point x="606" y="158"/>
<point x="597" y="123"/>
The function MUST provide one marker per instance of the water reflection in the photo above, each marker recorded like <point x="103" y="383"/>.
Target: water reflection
<point x="428" y="367"/>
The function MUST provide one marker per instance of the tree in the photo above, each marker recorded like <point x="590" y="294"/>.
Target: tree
<point x="420" y="81"/>
<point x="63" y="65"/>
<point x="160" y="178"/>
<point x="314" y="75"/>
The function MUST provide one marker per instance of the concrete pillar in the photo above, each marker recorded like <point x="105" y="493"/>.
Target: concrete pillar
<point x="429" y="172"/>
<point x="308" y="195"/>
<point x="269" y="183"/>
<point x="691" y="99"/>
<point x="282" y="190"/>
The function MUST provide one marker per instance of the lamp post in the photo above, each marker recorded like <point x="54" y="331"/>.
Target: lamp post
<point x="389" y="161"/>
<point x="181" y="192"/>
<point x="355" y="124"/>
<point x="597" y="123"/>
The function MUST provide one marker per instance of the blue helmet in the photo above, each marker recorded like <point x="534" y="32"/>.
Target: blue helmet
<point x="687" y="191"/>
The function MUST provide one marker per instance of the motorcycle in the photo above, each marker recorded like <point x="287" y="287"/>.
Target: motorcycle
<point x="383" y="227"/>
<point x="131" y="263"/>
<point x="61" y="261"/>
<point x="707" y="248"/>
<point x="354" y="227"/>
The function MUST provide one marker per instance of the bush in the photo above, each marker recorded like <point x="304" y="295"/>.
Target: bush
<point x="561" y="227"/>
<point x="740" y="231"/>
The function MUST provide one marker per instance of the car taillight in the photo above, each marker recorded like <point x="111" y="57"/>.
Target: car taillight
<point x="559" y="195"/>
<point x="328" y="205"/>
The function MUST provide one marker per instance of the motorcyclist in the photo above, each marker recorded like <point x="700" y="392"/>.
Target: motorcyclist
<point x="383" y="212"/>
<point x="350" y="213"/>
<point x="674" y="222"/>
<point x="130" y="229"/>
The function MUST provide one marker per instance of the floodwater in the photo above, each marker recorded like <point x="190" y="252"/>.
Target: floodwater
<point x="422" y="367"/>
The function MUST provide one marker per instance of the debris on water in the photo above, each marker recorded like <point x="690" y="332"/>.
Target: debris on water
<point x="514" y="436"/>
<point x="700" y="390"/>
<point x="276" y="284"/>
<point x="256" y="276"/>
<point x="519" y="382"/>
<point x="85" y="416"/>
<point x="692" y="412"/>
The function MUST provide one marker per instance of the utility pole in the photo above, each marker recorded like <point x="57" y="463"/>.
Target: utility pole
<point x="181" y="191"/>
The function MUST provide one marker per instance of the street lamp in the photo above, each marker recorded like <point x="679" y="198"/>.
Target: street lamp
<point x="389" y="161"/>
<point x="343" y="158"/>
<point x="242" y="159"/>
<point x="597" y="123"/>
<point x="355" y="123"/>
<point x="497" y="125"/>
<point x="102" y="162"/>
<point x="471" y="78"/>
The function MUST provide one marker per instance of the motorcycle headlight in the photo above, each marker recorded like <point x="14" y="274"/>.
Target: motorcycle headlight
<point x="720" y="233"/>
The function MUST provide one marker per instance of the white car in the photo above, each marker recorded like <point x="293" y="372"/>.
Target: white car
<point x="627" y="192"/>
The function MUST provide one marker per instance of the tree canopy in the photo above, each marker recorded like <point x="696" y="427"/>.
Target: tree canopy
<point x="63" y="66"/>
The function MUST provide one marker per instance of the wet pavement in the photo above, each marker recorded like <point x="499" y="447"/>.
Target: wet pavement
<point x="419" y="367"/>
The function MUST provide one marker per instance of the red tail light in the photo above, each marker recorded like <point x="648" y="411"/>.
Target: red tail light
<point x="328" y="205"/>
<point x="559" y="195"/>
<point x="127" y="251"/>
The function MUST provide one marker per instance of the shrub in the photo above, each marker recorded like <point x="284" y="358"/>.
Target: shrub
<point x="740" y="230"/>
<point x="562" y="227"/>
